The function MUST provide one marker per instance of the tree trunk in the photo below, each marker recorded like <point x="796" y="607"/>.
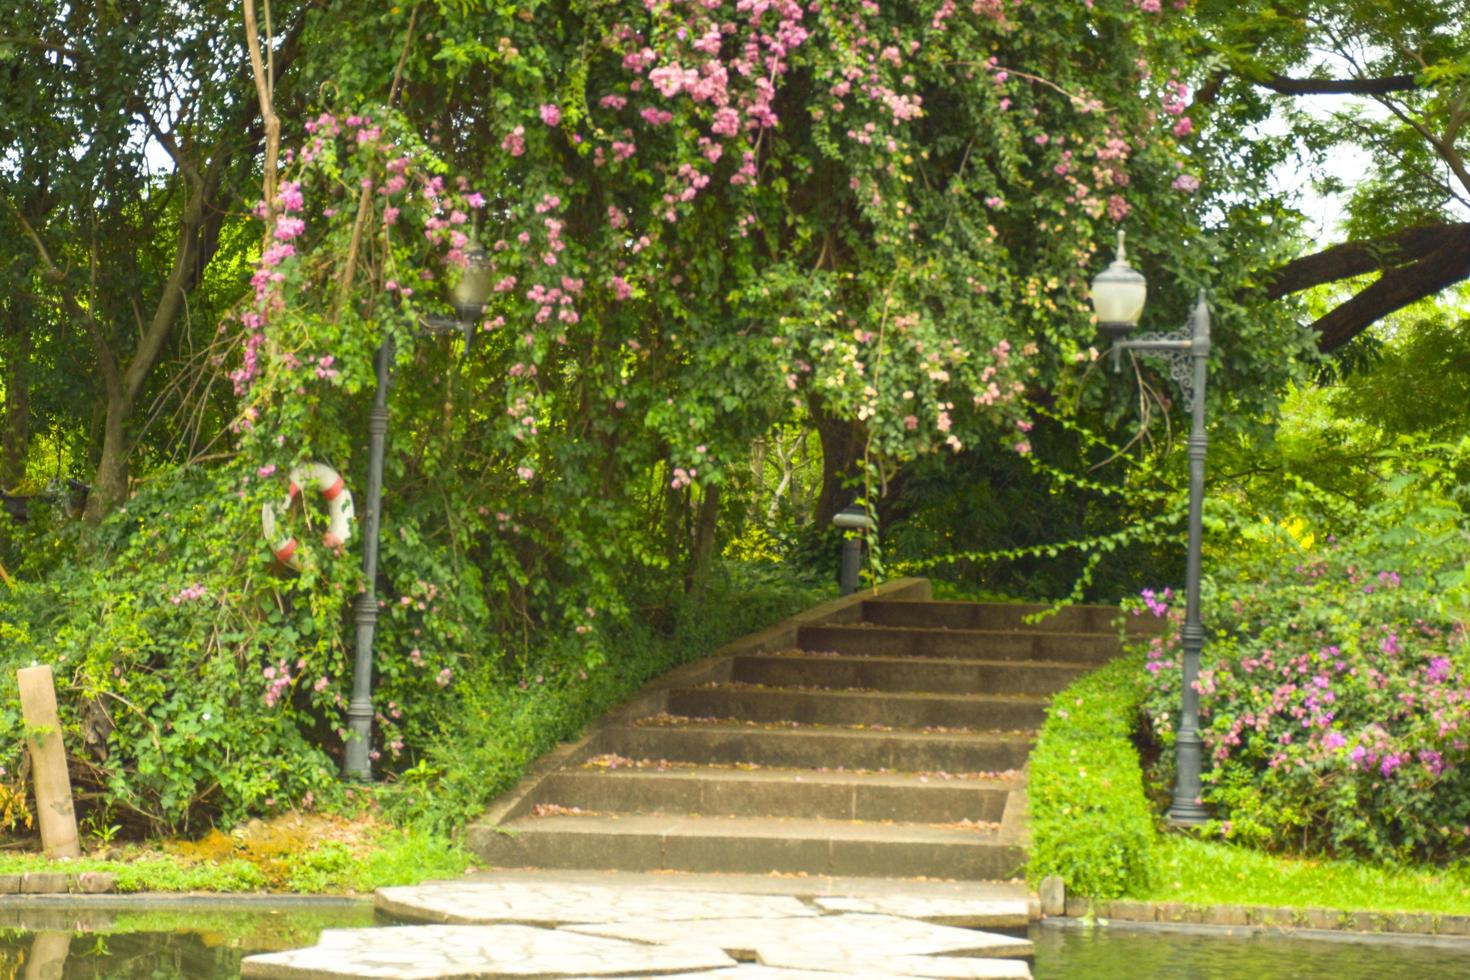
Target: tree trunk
<point x="703" y="551"/>
<point x="110" y="484"/>
<point x="842" y="455"/>
<point x="15" y="441"/>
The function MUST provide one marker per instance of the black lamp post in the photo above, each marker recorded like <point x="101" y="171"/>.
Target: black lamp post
<point x="468" y="297"/>
<point x="1118" y="296"/>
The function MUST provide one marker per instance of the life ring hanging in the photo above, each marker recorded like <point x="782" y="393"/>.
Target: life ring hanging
<point x="325" y="481"/>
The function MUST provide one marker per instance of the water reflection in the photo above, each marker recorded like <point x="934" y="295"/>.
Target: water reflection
<point x="193" y="941"/>
<point x="1119" y="953"/>
<point x="200" y="942"/>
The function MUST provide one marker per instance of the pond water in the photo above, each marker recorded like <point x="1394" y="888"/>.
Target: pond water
<point x="172" y="941"/>
<point x="1120" y="953"/>
<point x="207" y="943"/>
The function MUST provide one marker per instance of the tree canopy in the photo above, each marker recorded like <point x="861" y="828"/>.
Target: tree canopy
<point x="857" y="233"/>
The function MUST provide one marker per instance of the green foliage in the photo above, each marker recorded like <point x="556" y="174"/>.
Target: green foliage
<point x="1091" y="823"/>
<point x="150" y="872"/>
<point x="1420" y="384"/>
<point x="1214" y="873"/>
<point x="1332" y="685"/>
<point x="1412" y="172"/>
<point x="197" y="684"/>
<point x="188" y="677"/>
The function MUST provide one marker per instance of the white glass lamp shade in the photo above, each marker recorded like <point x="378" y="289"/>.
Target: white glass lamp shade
<point x="1118" y="295"/>
<point x="473" y="289"/>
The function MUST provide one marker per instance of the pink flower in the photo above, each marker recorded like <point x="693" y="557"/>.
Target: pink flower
<point x="1188" y="183"/>
<point x="515" y="141"/>
<point x="621" y="289"/>
<point x="1184" y="126"/>
<point x="290" y="197"/>
<point x="551" y="114"/>
<point x="289" y="228"/>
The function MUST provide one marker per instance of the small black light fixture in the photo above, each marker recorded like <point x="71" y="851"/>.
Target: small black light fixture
<point x="854" y="523"/>
<point x="468" y="296"/>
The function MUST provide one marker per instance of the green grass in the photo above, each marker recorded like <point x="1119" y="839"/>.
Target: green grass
<point x="395" y="857"/>
<point x="1214" y="873"/>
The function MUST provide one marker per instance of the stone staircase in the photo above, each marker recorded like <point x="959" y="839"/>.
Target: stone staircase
<point x="872" y="737"/>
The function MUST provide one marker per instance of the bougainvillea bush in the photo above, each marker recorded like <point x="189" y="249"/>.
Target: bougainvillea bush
<point x="1335" y="682"/>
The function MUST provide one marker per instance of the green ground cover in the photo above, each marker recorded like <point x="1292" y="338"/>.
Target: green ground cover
<point x="1216" y="873"/>
<point x="273" y="862"/>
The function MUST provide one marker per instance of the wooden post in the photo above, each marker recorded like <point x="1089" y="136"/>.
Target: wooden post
<point x="48" y="763"/>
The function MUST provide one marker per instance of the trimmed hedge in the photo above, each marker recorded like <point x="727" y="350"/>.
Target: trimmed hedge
<point x="1091" y="823"/>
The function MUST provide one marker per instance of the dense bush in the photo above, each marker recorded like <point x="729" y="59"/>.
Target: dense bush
<point x="1335" y="682"/>
<point x="1090" y="822"/>
<point x="199" y="682"/>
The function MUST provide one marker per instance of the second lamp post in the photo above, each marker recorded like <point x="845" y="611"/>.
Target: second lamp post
<point x="1118" y="295"/>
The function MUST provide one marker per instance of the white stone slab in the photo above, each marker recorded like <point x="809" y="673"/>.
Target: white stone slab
<point x="847" y="962"/>
<point x="872" y="935"/>
<point x="454" y="952"/>
<point x="529" y="903"/>
<point x="749" y="971"/>
<point x="969" y="912"/>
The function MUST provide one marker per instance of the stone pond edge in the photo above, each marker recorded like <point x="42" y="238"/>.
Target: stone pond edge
<point x="1285" y="919"/>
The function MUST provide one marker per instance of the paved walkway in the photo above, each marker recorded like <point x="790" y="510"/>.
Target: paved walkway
<point x="587" y="924"/>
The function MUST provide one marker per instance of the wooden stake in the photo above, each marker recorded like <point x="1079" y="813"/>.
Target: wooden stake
<point x="48" y="763"/>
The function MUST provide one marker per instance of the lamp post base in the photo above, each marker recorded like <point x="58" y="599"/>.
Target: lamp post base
<point x="1190" y="814"/>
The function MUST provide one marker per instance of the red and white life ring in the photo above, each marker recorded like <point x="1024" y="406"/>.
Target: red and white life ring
<point x="325" y="480"/>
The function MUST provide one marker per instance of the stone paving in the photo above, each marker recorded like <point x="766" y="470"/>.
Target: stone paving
<point x="518" y="926"/>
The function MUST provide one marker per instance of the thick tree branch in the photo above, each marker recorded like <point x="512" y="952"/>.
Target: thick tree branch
<point x="1416" y="263"/>
<point x="1359" y="258"/>
<point x="1339" y="86"/>
<point x="1394" y="290"/>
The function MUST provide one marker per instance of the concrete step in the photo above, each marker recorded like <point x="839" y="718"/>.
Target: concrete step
<point x="904" y="641"/>
<point x="1001" y="616"/>
<point x="899" y="710"/>
<point x="743" y="845"/>
<point x="813" y="748"/>
<point x="779" y="793"/>
<point x="794" y="669"/>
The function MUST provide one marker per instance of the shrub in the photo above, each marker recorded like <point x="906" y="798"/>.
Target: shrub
<point x="1090" y="821"/>
<point x="1335" y="683"/>
<point x="198" y="685"/>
